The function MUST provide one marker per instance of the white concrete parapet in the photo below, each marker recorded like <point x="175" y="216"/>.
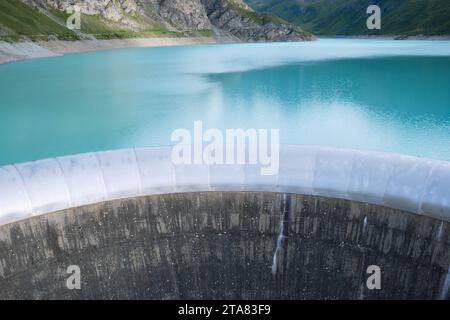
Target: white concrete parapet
<point x="416" y="185"/>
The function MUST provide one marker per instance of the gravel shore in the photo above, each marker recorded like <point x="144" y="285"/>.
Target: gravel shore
<point x="29" y="50"/>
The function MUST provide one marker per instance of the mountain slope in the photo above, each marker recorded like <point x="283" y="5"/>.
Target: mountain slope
<point x="348" y="17"/>
<point x="17" y="19"/>
<point x="103" y="19"/>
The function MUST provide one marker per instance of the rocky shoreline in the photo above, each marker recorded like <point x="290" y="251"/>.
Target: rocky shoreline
<point x="23" y="50"/>
<point x="14" y="51"/>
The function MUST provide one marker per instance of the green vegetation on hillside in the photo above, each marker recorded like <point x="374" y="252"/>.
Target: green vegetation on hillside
<point x="101" y="28"/>
<point x="18" y="20"/>
<point x="348" y="17"/>
<point x="262" y="18"/>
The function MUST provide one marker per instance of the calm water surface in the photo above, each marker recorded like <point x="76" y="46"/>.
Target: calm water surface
<point x="370" y="94"/>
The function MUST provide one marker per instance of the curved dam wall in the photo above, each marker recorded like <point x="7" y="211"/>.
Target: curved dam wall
<point x="416" y="185"/>
<point x="139" y="226"/>
<point x="211" y="245"/>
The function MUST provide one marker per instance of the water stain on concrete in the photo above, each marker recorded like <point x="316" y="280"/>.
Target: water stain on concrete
<point x="212" y="245"/>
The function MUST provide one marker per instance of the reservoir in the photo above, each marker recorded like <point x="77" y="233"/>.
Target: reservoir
<point x="382" y="95"/>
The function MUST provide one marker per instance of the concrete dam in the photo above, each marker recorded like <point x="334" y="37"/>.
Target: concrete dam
<point x="135" y="226"/>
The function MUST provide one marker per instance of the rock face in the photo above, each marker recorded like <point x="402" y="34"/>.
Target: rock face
<point x="238" y="19"/>
<point x="221" y="245"/>
<point x="232" y="18"/>
<point x="186" y="14"/>
<point x="112" y="10"/>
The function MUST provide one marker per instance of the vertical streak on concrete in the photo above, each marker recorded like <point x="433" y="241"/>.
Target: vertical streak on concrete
<point x="103" y="175"/>
<point x="364" y="225"/>
<point x="25" y="189"/>
<point x="361" y="295"/>
<point x="138" y="171"/>
<point x="69" y="197"/>
<point x="445" y="286"/>
<point x="439" y="235"/>
<point x="284" y="219"/>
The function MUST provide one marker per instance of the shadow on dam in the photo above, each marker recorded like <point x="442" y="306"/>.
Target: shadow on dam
<point x="221" y="245"/>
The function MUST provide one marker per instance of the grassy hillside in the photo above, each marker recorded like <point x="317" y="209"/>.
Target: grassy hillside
<point x="19" y="20"/>
<point x="102" y="28"/>
<point x="348" y="17"/>
<point x="261" y="18"/>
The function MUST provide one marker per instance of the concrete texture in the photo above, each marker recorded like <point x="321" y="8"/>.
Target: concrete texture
<point x="221" y="245"/>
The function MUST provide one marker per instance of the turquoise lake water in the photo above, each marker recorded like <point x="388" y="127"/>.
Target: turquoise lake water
<point x="370" y="94"/>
